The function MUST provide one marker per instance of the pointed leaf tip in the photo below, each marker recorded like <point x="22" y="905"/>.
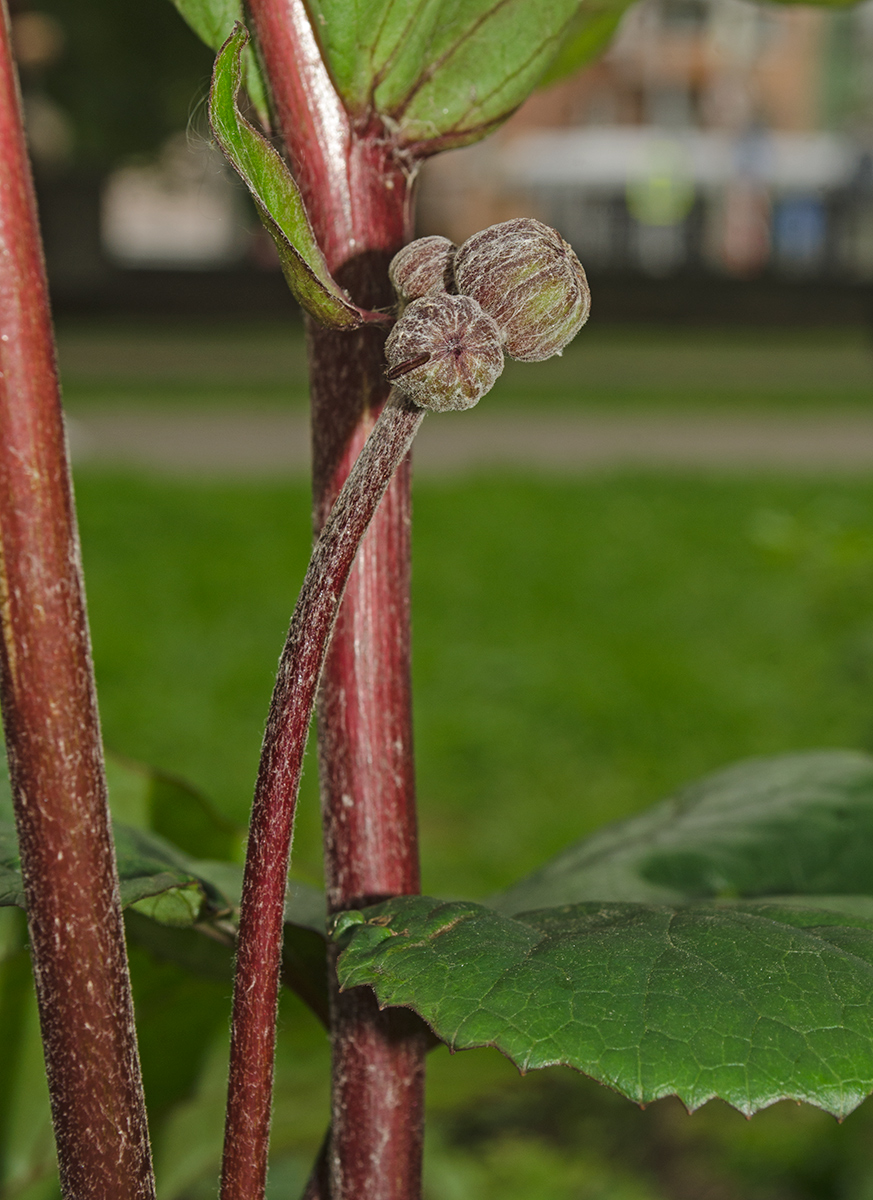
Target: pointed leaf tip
<point x="276" y="196"/>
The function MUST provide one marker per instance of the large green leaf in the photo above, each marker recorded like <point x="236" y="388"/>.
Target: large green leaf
<point x="649" y="973"/>
<point x="752" y="1002"/>
<point x="446" y="72"/>
<point x="276" y="196"/>
<point x="797" y="823"/>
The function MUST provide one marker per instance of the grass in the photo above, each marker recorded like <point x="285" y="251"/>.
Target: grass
<point x="155" y="365"/>
<point x="581" y="648"/>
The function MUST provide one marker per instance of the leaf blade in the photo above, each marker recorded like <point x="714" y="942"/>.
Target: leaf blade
<point x="444" y="73"/>
<point x="799" y="824"/>
<point x="584" y="37"/>
<point x="649" y="1000"/>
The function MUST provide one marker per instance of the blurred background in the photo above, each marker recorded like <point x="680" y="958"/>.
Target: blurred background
<point x="715" y="142"/>
<point x="633" y="564"/>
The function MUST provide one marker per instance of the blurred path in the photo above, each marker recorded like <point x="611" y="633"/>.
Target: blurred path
<point x="269" y="442"/>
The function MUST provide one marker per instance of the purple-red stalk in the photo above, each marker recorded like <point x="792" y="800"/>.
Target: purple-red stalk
<point x="53" y="732"/>
<point x="256" y="987"/>
<point x="357" y="186"/>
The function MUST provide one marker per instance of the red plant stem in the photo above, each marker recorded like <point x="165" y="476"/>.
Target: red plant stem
<point x="256" y="987"/>
<point x="358" y="191"/>
<point x="53" y="733"/>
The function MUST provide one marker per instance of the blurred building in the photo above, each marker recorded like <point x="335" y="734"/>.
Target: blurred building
<point x="716" y="140"/>
<point x="714" y="136"/>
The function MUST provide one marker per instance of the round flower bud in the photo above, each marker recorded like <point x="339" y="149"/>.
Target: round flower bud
<point x="529" y="280"/>
<point x="444" y="353"/>
<point x="423" y="266"/>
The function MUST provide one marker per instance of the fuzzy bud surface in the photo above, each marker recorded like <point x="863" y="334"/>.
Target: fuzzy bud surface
<point x="423" y="266"/>
<point x="530" y="281"/>
<point x="444" y="353"/>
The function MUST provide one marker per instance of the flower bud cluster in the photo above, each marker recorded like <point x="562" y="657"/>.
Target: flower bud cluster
<point x="515" y="288"/>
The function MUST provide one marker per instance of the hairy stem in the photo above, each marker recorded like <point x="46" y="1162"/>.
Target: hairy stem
<point x="53" y="733"/>
<point x="261" y="916"/>
<point x="358" y="191"/>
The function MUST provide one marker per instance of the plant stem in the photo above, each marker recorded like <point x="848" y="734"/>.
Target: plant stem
<point x="358" y="191"/>
<point x="256" y="986"/>
<point x="53" y="733"/>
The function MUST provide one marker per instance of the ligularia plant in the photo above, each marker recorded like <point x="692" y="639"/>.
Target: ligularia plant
<point x="720" y="945"/>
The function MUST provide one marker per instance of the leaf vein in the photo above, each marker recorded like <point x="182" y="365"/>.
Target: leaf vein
<point x="450" y="51"/>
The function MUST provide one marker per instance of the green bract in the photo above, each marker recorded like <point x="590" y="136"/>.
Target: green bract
<point x="276" y="196"/>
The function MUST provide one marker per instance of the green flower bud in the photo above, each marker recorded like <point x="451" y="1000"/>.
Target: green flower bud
<point x="529" y="280"/>
<point x="444" y="353"/>
<point x="422" y="267"/>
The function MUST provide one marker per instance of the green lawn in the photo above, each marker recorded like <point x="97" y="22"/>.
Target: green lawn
<point x="580" y="650"/>
<point x="206" y="365"/>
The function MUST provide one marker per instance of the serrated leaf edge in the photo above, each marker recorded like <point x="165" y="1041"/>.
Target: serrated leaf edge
<point x="839" y="1109"/>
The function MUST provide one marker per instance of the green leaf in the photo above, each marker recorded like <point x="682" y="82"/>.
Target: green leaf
<point x="150" y="799"/>
<point x="276" y="196"/>
<point x="446" y="72"/>
<point x="27" y="1145"/>
<point x="148" y="868"/>
<point x="148" y="865"/>
<point x="162" y="881"/>
<point x="793" y="824"/>
<point x="304" y="962"/>
<point x="172" y="899"/>
<point x="167" y="893"/>
<point x="213" y="22"/>
<point x="751" y="1002"/>
<point x="176" y="906"/>
<point x="586" y="35"/>
<point x="11" y="888"/>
